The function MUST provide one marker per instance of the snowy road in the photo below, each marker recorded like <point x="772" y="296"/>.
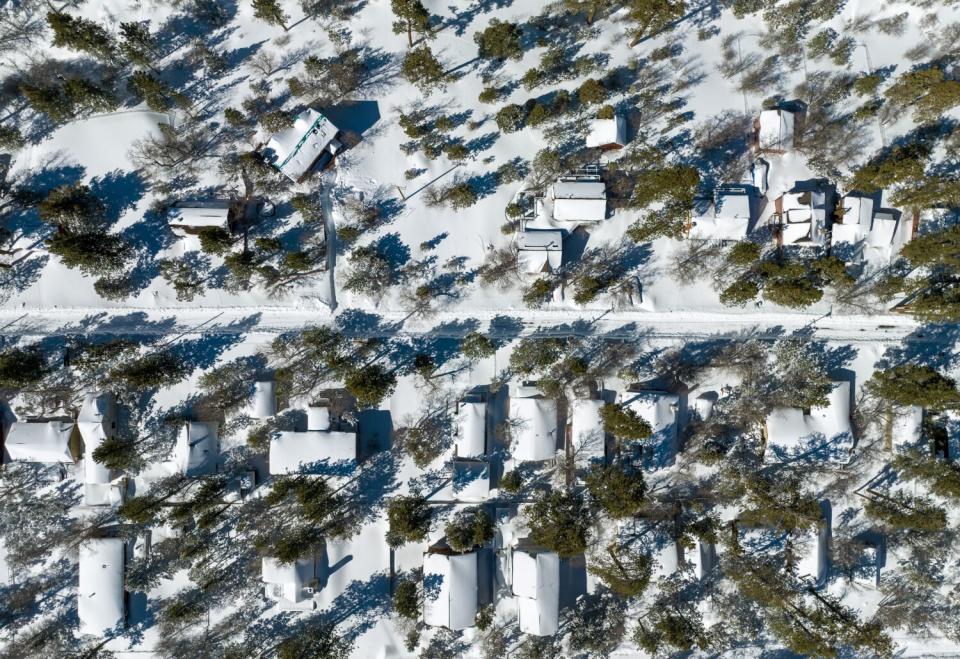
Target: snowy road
<point x="498" y="323"/>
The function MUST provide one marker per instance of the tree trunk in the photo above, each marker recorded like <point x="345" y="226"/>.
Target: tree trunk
<point x="410" y="33"/>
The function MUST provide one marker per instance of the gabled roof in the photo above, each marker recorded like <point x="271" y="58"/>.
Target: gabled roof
<point x="730" y="217"/>
<point x="264" y="400"/>
<point x="95" y="422"/>
<point x="100" y="604"/>
<point x="540" y="250"/>
<point x="579" y="200"/>
<point x="824" y="434"/>
<point x="46" y="442"/>
<point x="314" y="451"/>
<point x="586" y="426"/>
<point x="286" y="581"/>
<point x="776" y="130"/>
<point x="197" y="450"/>
<point x="659" y="409"/>
<point x="298" y="147"/>
<point x="201" y="214"/>
<point x="471" y="479"/>
<point x="471" y="439"/>
<point x="607" y="132"/>
<point x="450" y="590"/>
<point x="534" y="427"/>
<point x="536" y="585"/>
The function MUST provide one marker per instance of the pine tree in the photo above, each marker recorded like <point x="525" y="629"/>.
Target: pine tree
<point x="469" y="529"/>
<point x="652" y="16"/>
<point x="615" y="490"/>
<point x="624" y="423"/>
<point x="625" y="570"/>
<point x="151" y="371"/>
<point x="156" y="93"/>
<point x="409" y="518"/>
<point x="911" y="384"/>
<point x="477" y="346"/>
<point x="269" y="12"/>
<point x="500" y="40"/>
<point x="138" y="45"/>
<point x="95" y="253"/>
<point x="421" y="67"/>
<point x="81" y="34"/>
<point x="406" y="600"/>
<point x="370" y="384"/>
<point x="560" y="521"/>
<point x="414" y="18"/>
<point x="21" y="368"/>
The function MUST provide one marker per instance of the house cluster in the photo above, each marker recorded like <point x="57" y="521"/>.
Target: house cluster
<point x="804" y="213"/>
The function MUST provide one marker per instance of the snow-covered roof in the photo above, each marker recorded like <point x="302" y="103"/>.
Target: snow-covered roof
<point x="607" y="132"/>
<point x="776" y="130"/>
<point x="586" y="426"/>
<point x="703" y="556"/>
<point x="659" y="409"/>
<point x="471" y="439"/>
<point x="285" y="582"/>
<point x="540" y="250"/>
<point x="314" y="451"/>
<point x="730" y="217"/>
<point x="812" y="547"/>
<point x="201" y="214"/>
<point x="298" y="147"/>
<point x="100" y="604"/>
<point x="450" y="590"/>
<point x="471" y="479"/>
<point x="39" y="441"/>
<point x="579" y="200"/>
<point x="804" y="215"/>
<point x="535" y="429"/>
<point x="264" y="400"/>
<point x="198" y="448"/>
<point x="536" y="585"/>
<point x="96" y="422"/>
<point x="907" y="429"/>
<point x="822" y="435"/>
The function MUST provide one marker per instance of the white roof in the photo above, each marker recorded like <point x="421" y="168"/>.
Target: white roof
<point x="201" y="214"/>
<point x="804" y="217"/>
<point x="313" y="451"/>
<point x="100" y="595"/>
<point x="299" y="146"/>
<point x="776" y="130"/>
<point x="264" y="400"/>
<point x="579" y="201"/>
<point x="535" y="432"/>
<point x="39" y="441"/>
<point x="812" y="546"/>
<point x="607" y="132"/>
<point x="907" y="427"/>
<point x="95" y="422"/>
<point x="540" y="250"/>
<point x="471" y="479"/>
<point x="729" y="219"/>
<point x="587" y="427"/>
<point x="471" y="441"/>
<point x="536" y="585"/>
<point x="285" y="581"/>
<point x="823" y="435"/>
<point x="667" y="558"/>
<point x="703" y="556"/>
<point x="450" y="590"/>
<point x="198" y="448"/>
<point x="659" y="409"/>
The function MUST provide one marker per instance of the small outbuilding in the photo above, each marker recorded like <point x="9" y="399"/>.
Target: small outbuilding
<point x="539" y="251"/>
<point x="775" y="131"/>
<point x="608" y="134"/>
<point x="471" y="430"/>
<point x="191" y="217"/>
<point x="100" y="597"/>
<point x="290" y="585"/>
<point x="264" y="404"/>
<point x="197" y="450"/>
<point x="311" y="141"/>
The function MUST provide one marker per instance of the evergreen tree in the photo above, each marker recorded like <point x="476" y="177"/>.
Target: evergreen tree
<point x="911" y="384"/>
<point x="94" y="253"/>
<point x="370" y="384"/>
<point x="560" y="521"/>
<point x="624" y="423"/>
<point x="413" y="18"/>
<point x="21" y="368"/>
<point x="591" y="92"/>
<point x="82" y="35"/>
<point x="536" y="355"/>
<point x="928" y="91"/>
<point x="319" y="639"/>
<point x="469" y="529"/>
<point x="409" y="518"/>
<point x="421" y="68"/>
<point x="500" y="40"/>
<point x="72" y="209"/>
<point x="652" y="16"/>
<point x="615" y="490"/>
<point x="589" y="8"/>
<point x="215" y="240"/>
<point x="10" y="138"/>
<point x="477" y="346"/>
<point x="117" y="454"/>
<point x="158" y="96"/>
<point x="269" y="12"/>
<point x="625" y="571"/>
<point x="138" y="45"/>
<point x="406" y="600"/>
<point x="151" y="371"/>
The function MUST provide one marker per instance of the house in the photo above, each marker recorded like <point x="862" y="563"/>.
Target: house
<point x="775" y="131"/>
<point x="451" y="589"/>
<point x="659" y="409"/>
<point x="197" y="450"/>
<point x="264" y="403"/>
<point x="312" y="140"/>
<point x="869" y="233"/>
<point x="579" y="198"/>
<point x="470" y="479"/>
<point x="470" y="440"/>
<point x="804" y="214"/>
<point x="534" y="425"/>
<point x="45" y="442"/>
<point x="100" y="597"/>
<point x="730" y="217"/>
<point x="539" y="250"/>
<point x="190" y="217"/>
<point x="536" y="587"/>
<point x="608" y="134"/>
<point x="319" y="450"/>
<point x="587" y="436"/>
<point x="290" y="585"/>
<point x="812" y="550"/>
<point x="820" y="434"/>
<point x="97" y="422"/>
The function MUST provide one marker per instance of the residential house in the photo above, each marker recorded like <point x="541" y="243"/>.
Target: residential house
<point x="197" y="450"/>
<point x="862" y="231"/>
<point x="536" y="587"/>
<point x="608" y="134"/>
<point x="311" y="141"/>
<point x="820" y="434"/>
<point x="470" y="479"/>
<point x="660" y="410"/>
<point x="539" y="250"/>
<point x="451" y="588"/>
<point x="534" y="426"/>
<point x="320" y="450"/>
<point x="190" y="217"/>
<point x="470" y="439"/>
<point x="731" y="215"/>
<point x="97" y="422"/>
<point x="101" y="603"/>
<point x="803" y="215"/>
<point x="579" y="198"/>
<point x="46" y="442"/>
<point x="775" y="131"/>
<point x="587" y="435"/>
<point x="290" y="585"/>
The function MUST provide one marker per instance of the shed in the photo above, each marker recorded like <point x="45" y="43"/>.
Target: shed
<point x="287" y="583"/>
<point x="264" y="400"/>
<point x="534" y="421"/>
<point x="540" y="250"/>
<point x="451" y="589"/>
<point x="471" y="438"/>
<point x="536" y="585"/>
<point x="775" y="130"/>
<point x="100" y="597"/>
<point x="192" y="216"/>
<point x="579" y="199"/>
<point x="813" y="548"/>
<point x="197" y="450"/>
<point x="824" y="434"/>
<point x="311" y="140"/>
<point x="46" y="442"/>
<point x="608" y="134"/>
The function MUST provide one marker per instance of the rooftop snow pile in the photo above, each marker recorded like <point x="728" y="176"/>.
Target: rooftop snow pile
<point x="319" y="450"/>
<point x="607" y="133"/>
<point x="730" y="217"/>
<point x="534" y="421"/>
<point x="775" y="131"/>
<point x="285" y="583"/>
<point x="876" y="234"/>
<point x="311" y="138"/>
<point x="805" y="214"/>
<point x="822" y="435"/>
<point x="191" y="216"/>
<point x="587" y="427"/>
<point x="197" y="450"/>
